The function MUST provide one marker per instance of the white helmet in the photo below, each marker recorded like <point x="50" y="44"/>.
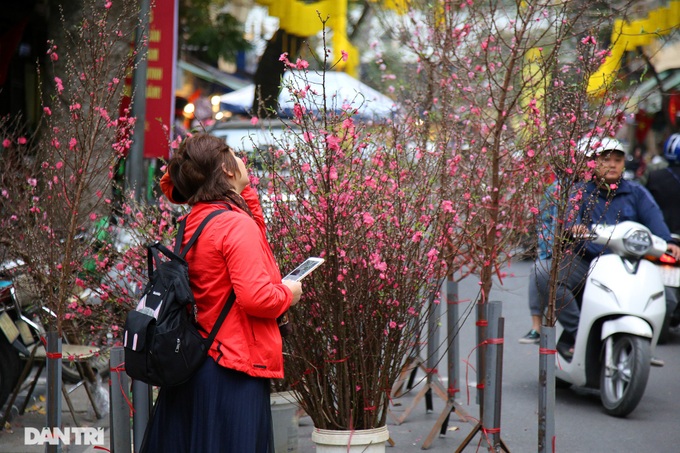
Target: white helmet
<point x="594" y="146"/>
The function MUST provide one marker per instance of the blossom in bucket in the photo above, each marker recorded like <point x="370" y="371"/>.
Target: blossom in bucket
<point x="357" y="204"/>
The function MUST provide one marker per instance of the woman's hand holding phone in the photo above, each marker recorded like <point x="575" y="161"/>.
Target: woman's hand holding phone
<point x="296" y="289"/>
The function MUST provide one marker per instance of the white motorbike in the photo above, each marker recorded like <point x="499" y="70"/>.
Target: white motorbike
<point x="622" y="311"/>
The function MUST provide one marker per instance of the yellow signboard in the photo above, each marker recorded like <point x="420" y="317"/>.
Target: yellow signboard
<point x="626" y="36"/>
<point x="305" y="18"/>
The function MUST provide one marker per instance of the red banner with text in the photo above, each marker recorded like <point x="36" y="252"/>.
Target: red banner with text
<point x="160" y="78"/>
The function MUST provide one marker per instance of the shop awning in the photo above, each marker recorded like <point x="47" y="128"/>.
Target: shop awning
<point x="647" y="96"/>
<point x="340" y="89"/>
<point x="213" y="75"/>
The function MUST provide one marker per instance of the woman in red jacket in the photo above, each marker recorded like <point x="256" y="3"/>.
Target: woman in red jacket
<point x="225" y="406"/>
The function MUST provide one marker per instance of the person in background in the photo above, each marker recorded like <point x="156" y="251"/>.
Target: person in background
<point x="225" y="406"/>
<point x="179" y="128"/>
<point x="664" y="184"/>
<point x="609" y="199"/>
<point x="635" y="164"/>
<point x="653" y="162"/>
<point x="541" y="267"/>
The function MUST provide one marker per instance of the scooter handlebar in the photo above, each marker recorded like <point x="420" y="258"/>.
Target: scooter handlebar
<point x="629" y="239"/>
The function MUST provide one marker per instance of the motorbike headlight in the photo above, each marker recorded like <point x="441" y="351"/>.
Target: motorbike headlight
<point x="637" y="242"/>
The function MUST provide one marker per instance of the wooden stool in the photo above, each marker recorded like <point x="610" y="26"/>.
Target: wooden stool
<point x="77" y="354"/>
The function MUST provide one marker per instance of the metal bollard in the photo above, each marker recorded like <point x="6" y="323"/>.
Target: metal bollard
<point x="432" y="349"/>
<point x="53" y="387"/>
<point x="493" y="378"/>
<point x="452" y="335"/>
<point x="121" y="441"/>
<point x="546" y="390"/>
<point x="141" y="400"/>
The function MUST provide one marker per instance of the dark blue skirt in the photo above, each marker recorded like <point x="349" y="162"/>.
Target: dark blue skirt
<point x="217" y="410"/>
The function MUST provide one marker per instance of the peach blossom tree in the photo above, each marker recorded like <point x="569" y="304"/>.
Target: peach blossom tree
<point x="345" y="189"/>
<point x="59" y="216"/>
<point x="504" y="85"/>
<point x="447" y="178"/>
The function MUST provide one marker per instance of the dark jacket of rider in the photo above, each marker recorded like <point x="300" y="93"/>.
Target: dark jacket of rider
<point x="611" y="206"/>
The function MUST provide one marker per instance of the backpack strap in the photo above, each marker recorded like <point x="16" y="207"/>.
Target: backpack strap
<point x="182" y="253"/>
<point x="154" y="250"/>
<point x="180" y="234"/>
<point x="153" y="256"/>
<point x="223" y="315"/>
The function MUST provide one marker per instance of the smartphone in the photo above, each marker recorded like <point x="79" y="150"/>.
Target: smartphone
<point x="304" y="269"/>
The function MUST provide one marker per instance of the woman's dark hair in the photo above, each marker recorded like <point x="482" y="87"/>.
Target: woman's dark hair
<point x="196" y="171"/>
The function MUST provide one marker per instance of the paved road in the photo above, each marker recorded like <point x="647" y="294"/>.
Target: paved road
<point x="581" y="425"/>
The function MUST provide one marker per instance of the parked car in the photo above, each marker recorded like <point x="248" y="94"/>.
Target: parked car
<point x="257" y="141"/>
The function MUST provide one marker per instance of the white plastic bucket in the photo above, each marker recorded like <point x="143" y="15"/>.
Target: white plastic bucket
<point x="358" y="441"/>
<point x="285" y="422"/>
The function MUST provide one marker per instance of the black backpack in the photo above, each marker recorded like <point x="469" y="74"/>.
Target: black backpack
<point x="162" y="344"/>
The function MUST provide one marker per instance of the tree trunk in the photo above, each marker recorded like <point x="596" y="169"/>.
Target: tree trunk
<point x="270" y="71"/>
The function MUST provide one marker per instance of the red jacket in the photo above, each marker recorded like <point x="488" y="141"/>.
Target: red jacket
<point x="233" y="252"/>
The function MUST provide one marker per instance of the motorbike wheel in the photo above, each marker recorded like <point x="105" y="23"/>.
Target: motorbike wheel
<point x="10" y="369"/>
<point x="624" y="378"/>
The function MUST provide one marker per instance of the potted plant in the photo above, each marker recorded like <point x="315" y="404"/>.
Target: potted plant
<point x="347" y="192"/>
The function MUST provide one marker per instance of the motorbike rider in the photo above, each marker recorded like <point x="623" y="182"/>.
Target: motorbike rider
<point x="664" y="184"/>
<point x="606" y="199"/>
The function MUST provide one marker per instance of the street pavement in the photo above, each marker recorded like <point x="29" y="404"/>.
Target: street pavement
<point x="581" y="424"/>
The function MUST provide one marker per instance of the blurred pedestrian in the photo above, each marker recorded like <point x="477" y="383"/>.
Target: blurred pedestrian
<point x="541" y="268"/>
<point x="664" y="184"/>
<point x="635" y="164"/>
<point x="653" y="162"/>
